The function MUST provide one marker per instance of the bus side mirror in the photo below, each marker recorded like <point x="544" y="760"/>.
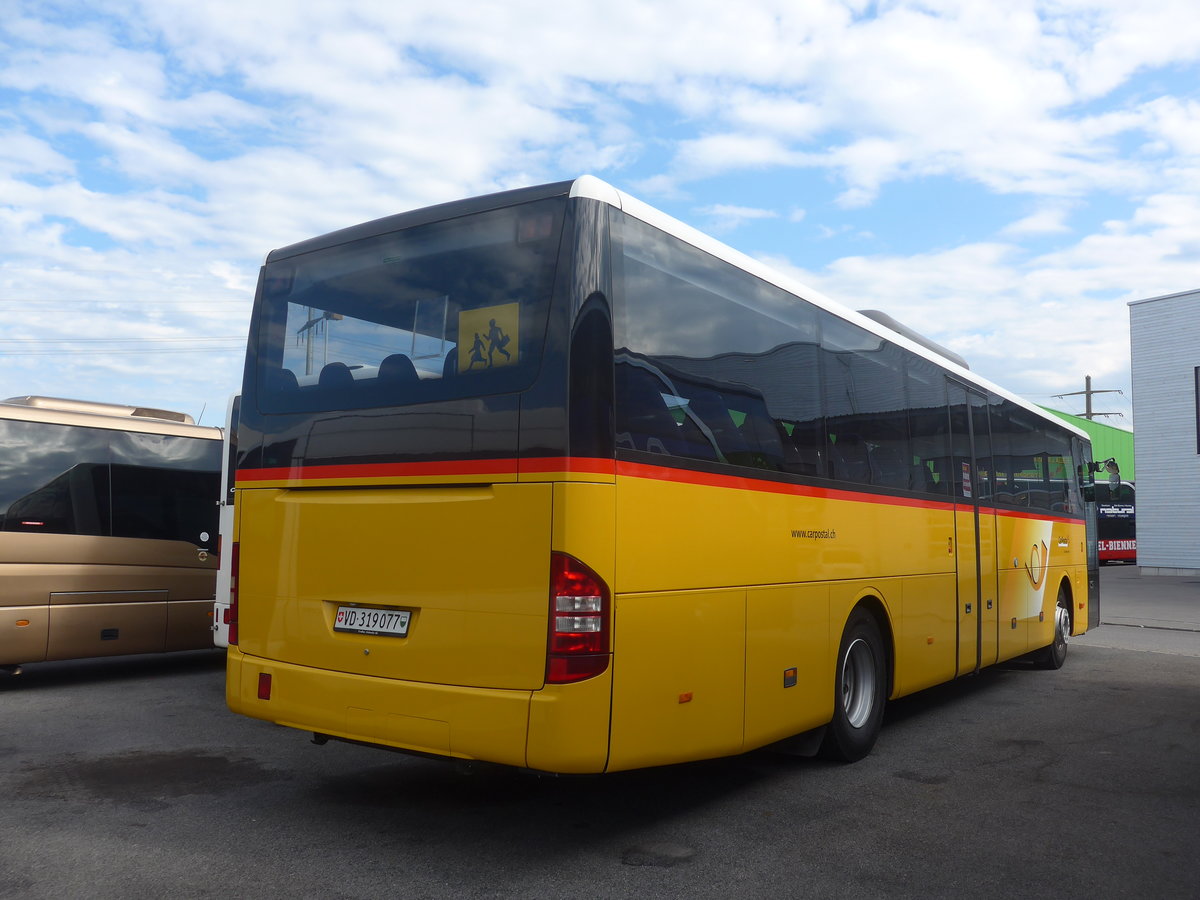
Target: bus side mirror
<point x="1113" y="470"/>
<point x="1111" y="467"/>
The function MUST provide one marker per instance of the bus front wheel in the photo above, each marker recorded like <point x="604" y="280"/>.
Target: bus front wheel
<point x="860" y="690"/>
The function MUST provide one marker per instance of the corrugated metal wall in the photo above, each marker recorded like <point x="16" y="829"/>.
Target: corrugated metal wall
<point x="1165" y="344"/>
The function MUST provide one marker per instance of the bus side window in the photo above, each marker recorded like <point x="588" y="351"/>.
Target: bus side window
<point x="801" y="448"/>
<point x="711" y="410"/>
<point x="920" y="477"/>
<point x="645" y="422"/>
<point x="761" y="433"/>
<point x="849" y="457"/>
<point x="888" y="468"/>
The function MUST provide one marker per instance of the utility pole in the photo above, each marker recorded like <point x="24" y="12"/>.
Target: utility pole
<point x="1087" y="398"/>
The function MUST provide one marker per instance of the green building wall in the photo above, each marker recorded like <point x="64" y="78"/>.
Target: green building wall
<point x="1107" y="441"/>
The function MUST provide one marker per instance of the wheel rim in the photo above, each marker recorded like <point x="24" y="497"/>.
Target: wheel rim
<point x="858" y="683"/>
<point x="1062" y="627"/>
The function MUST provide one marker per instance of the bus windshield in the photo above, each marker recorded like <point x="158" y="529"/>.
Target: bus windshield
<point x="450" y="309"/>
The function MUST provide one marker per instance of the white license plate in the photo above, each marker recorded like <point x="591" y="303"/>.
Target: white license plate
<point x="360" y="620"/>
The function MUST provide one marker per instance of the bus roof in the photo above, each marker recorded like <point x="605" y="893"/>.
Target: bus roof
<point x="87" y="413"/>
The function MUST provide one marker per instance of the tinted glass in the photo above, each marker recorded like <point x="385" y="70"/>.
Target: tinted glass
<point x="62" y="479"/>
<point x="984" y="462"/>
<point x="716" y="365"/>
<point x="53" y="478"/>
<point x="712" y="363"/>
<point x="231" y="443"/>
<point x="1034" y="467"/>
<point x="928" y="424"/>
<point x="434" y="312"/>
<point x="1002" y="455"/>
<point x="866" y="407"/>
<point x="165" y="487"/>
<point x="961" y="470"/>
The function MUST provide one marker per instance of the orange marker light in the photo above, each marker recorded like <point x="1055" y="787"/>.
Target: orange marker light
<point x="685" y="697"/>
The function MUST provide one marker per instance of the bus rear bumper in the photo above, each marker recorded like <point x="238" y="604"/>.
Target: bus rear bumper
<point x="443" y="720"/>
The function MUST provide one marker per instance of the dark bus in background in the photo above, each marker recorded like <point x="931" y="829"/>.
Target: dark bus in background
<point x="1115" y="522"/>
<point x="108" y="530"/>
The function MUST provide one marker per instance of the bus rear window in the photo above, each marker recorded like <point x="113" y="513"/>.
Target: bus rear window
<point x="434" y="312"/>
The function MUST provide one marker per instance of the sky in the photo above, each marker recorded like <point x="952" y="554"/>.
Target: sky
<point x="1002" y="177"/>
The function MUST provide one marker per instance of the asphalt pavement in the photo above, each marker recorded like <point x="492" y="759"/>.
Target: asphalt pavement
<point x="1156" y="613"/>
<point x="128" y="778"/>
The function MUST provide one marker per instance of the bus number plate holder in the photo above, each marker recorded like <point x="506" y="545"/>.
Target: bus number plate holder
<point x="361" y="620"/>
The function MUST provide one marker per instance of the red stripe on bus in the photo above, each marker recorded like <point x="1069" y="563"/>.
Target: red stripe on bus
<point x="737" y="482"/>
<point x="585" y="464"/>
<point x="590" y="465"/>
<point x="1039" y="516"/>
<point x="436" y="469"/>
<point x="381" y="470"/>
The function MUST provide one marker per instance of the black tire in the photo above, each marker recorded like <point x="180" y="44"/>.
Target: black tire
<point x="1054" y="655"/>
<point x="859" y="690"/>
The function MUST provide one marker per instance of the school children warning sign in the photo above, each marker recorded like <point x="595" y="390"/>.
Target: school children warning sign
<point x="488" y="337"/>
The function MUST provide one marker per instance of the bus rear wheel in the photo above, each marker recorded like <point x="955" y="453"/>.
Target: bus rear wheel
<point x="1054" y="655"/>
<point x="860" y="691"/>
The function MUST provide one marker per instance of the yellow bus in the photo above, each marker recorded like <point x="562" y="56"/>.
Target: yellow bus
<point x="108" y="529"/>
<point x="549" y="479"/>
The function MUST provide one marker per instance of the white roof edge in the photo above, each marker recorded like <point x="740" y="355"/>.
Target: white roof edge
<point x="137" y="424"/>
<point x="591" y="187"/>
<point x="1175" y="296"/>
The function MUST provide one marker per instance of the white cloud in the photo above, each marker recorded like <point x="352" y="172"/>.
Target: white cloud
<point x="152" y="152"/>
<point x="1049" y="220"/>
<point x="726" y="217"/>
<point x="1033" y="323"/>
<point x="24" y="154"/>
<point x="720" y="152"/>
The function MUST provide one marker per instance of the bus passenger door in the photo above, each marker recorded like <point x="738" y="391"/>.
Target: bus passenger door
<point x="974" y="528"/>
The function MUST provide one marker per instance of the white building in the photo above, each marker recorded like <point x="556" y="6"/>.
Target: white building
<point x="1165" y="339"/>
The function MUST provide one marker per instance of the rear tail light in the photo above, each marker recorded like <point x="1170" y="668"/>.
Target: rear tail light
<point x="577" y="647"/>
<point x="234" y="567"/>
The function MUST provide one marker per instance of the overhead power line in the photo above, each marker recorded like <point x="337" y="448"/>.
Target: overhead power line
<point x="124" y="301"/>
<point x="1087" y="393"/>
<point x="166" y="340"/>
<point x="126" y="351"/>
